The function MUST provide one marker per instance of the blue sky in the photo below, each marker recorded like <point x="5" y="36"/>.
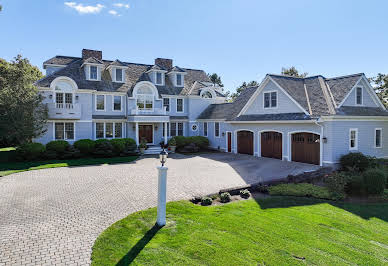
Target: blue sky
<point x="240" y="40"/>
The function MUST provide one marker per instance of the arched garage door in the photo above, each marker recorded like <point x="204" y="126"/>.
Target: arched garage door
<point x="305" y="148"/>
<point x="245" y="142"/>
<point x="271" y="144"/>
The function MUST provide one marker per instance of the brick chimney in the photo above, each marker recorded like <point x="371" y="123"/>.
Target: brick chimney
<point x="86" y="53"/>
<point x="164" y="62"/>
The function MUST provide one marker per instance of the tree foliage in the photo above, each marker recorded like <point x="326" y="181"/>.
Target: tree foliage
<point x="242" y="87"/>
<point x="292" y="71"/>
<point x="381" y="87"/>
<point x="22" y="113"/>
<point x="215" y="79"/>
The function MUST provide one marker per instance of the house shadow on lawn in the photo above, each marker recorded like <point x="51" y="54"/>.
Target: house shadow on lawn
<point x="364" y="210"/>
<point x="136" y="249"/>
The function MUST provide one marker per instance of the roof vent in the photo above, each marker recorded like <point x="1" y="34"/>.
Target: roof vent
<point x="164" y="62"/>
<point x="86" y="53"/>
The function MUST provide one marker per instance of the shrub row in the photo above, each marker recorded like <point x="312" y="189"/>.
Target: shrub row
<point x="61" y="149"/>
<point x="181" y="141"/>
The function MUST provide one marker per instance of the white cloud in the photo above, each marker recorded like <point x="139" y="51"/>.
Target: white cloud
<point x="81" y="9"/>
<point x="114" y="13"/>
<point x="121" y="5"/>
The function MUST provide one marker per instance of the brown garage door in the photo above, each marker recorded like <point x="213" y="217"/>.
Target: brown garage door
<point x="305" y="148"/>
<point x="271" y="144"/>
<point x="245" y="142"/>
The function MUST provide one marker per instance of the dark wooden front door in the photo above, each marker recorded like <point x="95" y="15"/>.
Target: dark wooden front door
<point x="271" y="144"/>
<point x="245" y="142"/>
<point x="229" y="141"/>
<point x="305" y="148"/>
<point x="145" y="132"/>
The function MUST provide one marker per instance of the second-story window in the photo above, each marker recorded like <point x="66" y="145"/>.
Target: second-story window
<point x="270" y="99"/>
<point x="359" y="95"/>
<point x="119" y="75"/>
<point x="93" y="72"/>
<point x="100" y="102"/>
<point x="166" y="103"/>
<point x="179" y="79"/>
<point x="64" y="100"/>
<point x="179" y="105"/>
<point x="159" y="78"/>
<point x="116" y="103"/>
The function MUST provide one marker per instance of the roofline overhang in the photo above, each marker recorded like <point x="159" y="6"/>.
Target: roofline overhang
<point x="52" y="65"/>
<point x="212" y="120"/>
<point x="273" y="122"/>
<point x="354" y="118"/>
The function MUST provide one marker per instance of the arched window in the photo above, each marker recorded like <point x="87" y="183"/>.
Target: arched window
<point x="64" y="92"/>
<point x="207" y="95"/>
<point x="145" y="98"/>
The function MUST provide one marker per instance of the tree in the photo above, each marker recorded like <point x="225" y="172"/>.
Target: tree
<point x="242" y="87"/>
<point x="215" y="79"/>
<point x="381" y="87"/>
<point x="292" y="71"/>
<point x="23" y="116"/>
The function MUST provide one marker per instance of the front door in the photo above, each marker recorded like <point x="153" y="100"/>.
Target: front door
<point x="146" y="132"/>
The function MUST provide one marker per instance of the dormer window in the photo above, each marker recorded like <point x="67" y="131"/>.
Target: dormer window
<point x="119" y="75"/>
<point x="359" y="96"/>
<point x="93" y="72"/>
<point x="159" y="78"/>
<point x="179" y="79"/>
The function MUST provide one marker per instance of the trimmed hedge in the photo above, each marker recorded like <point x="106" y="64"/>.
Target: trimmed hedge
<point x="85" y="146"/>
<point x="181" y="141"/>
<point x="58" y="146"/>
<point x="374" y="181"/>
<point x="30" y="151"/>
<point x="355" y="161"/>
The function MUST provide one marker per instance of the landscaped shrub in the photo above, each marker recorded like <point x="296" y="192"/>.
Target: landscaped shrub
<point x="103" y="148"/>
<point x="172" y="142"/>
<point x="58" y="146"/>
<point x="245" y="193"/>
<point x="85" y="146"/>
<point x="355" y="184"/>
<point x="130" y="143"/>
<point x="301" y="189"/>
<point x="336" y="183"/>
<point x="206" y="201"/>
<point x="225" y="197"/>
<point x="181" y="141"/>
<point x="30" y="151"/>
<point x="118" y="145"/>
<point x="354" y="161"/>
<point x="71" y="153"/>
<point x="374" y="181"/>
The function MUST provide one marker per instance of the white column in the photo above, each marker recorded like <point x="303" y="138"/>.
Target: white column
<point x="137" y="133"/>
<point x="165" y="133"/>
<point x="162" y="195"/>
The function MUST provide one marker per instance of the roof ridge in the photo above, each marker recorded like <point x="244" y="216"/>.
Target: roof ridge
<point x="346" y="76"/>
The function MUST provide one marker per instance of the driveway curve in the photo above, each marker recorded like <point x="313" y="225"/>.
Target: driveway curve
<point x="53" y="216"/>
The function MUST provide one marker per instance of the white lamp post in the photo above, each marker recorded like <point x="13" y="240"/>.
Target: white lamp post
<point x="162" y="187"/>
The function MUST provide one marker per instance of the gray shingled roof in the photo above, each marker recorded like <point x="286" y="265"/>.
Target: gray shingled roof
<point x="340" y="86"/>
<point x="361" y="111"/>
<point x="273" y="117"/>
<point x="109" y="117"/>
<point x="177" y="69"/>
<point x="228" y="111"/>
<point x="134" y="73"/>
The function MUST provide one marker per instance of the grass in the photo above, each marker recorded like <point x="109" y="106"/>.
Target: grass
<point x="9" y="167"/>
<point x="271" y="231"/>
<point x="301" y="189"/>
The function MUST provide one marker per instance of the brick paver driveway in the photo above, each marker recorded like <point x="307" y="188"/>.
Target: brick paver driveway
<point x="53" y="216"/>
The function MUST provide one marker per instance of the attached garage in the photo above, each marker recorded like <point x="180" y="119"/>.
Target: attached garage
<point x="305" y="148"/>
<point x="245" y="142"/>
<point x="271" y="144"/>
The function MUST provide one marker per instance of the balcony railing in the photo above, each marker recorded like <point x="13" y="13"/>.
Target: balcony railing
<point x="153" y="111"/>
<point x="64" y="110"/>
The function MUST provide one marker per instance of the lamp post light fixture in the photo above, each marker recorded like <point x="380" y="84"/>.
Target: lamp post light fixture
<point x="162" y="189"/>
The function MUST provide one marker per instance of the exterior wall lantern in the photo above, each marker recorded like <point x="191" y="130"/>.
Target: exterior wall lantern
<point x="324" y="140"/>
<point x="223" y="134"/>
<point x="162" y="189"/>
<point x="50" y="96"/>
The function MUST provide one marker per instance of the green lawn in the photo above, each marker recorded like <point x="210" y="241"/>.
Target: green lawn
<point x="272" y="231"/>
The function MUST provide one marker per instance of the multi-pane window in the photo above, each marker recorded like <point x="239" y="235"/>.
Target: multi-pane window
<point x="359" y="95"/>
<point x="100" y="102"/>
<point x="180" y="129"/>
<point x="179" y="105"/>
<point x="173" y="129"/>
<point x="166" y="103"/>
<point x="117" y="103"/>
<point x="64" y="131"/>
<point x="378" y="138"/>
<point x="353" y="142"/>
<point x="108" y="130"/>
<point x="99" y="130"/>
<point x="118" y="130"/>
<point x="93" y="72"/>
<point x="159" y="78"/>
<point x="216" y="129"/>
<point x="119" y="74"/>
<point x="179" y="79"/>
<point x="64" y="100"/>
<point x="205" y="129"/>
<point x="168" y="128"/>
<point x="145" y="102"/>
<point x="270" y="99"/>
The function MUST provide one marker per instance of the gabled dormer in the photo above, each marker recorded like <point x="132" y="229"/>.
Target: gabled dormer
<point x="92" y="64"/>
<point x="157" y="75"/>
<point x="117" y="71"/>
<point x="177" y="75"/>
